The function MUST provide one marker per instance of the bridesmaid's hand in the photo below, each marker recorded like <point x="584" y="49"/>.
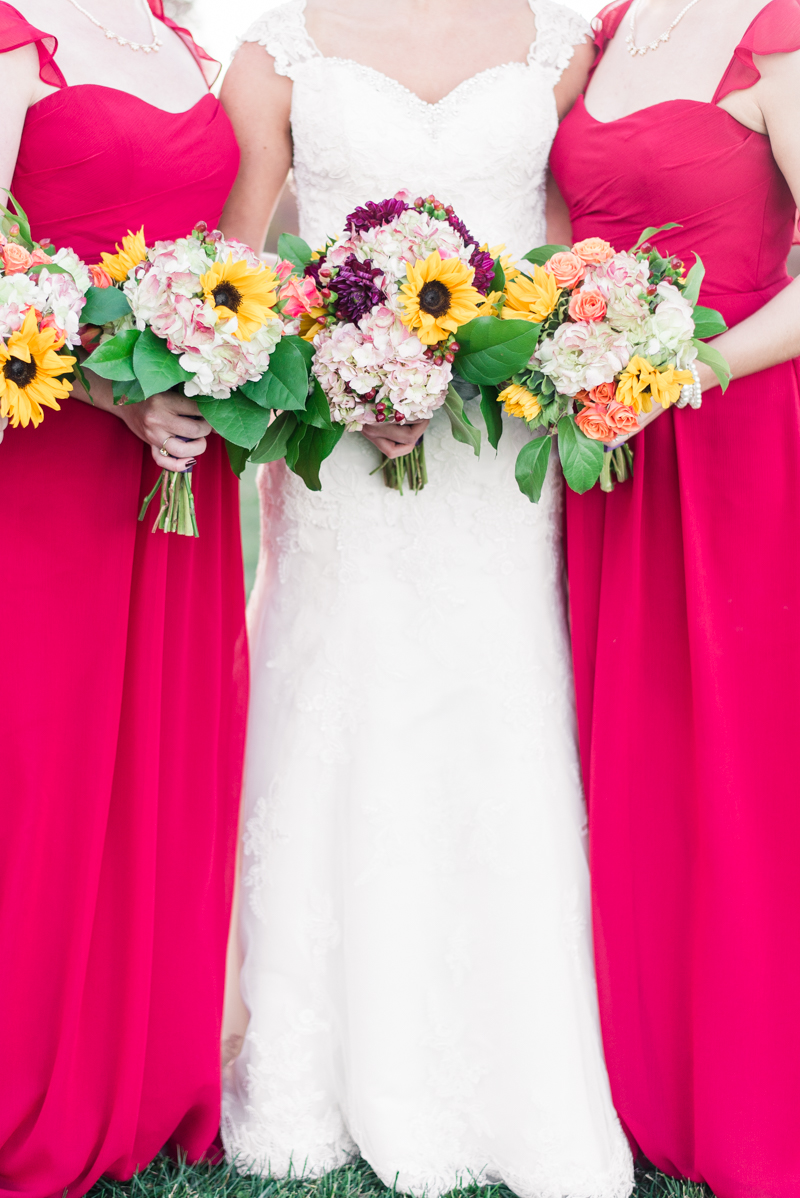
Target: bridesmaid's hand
<point x="707" y="380"/>
<point x="395" y="440"/>
<point x="169" y="421"/>
<point x="3" y="425"/>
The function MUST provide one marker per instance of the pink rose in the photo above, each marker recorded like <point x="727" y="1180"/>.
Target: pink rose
<point x="49" y="322"/>
<point x="592" y="422"/>
<point x="593" y="251"/>
<point x="587" y="305"/>
<point x="283" y="269"/>
<point x="40" y="258"/>
<point x="100" y="276"/>
<point x="622" y="418"/>
<point x="300" y="295"/>
<point x="566" y="268"/>
<point x="16" y="259"/>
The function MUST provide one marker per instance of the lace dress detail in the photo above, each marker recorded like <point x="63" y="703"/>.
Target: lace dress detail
<point x="418" y="956"/>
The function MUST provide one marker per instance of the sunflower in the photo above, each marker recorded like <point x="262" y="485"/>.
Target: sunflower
<point x="439" y="297"/>
<point x="641" y="383"/>
<point x="246" y="292"/>
<point x="134" y="251"/>
<point x="29" y="367"/>
<point x="530" y="298"/>
<point x="519" y="401"/>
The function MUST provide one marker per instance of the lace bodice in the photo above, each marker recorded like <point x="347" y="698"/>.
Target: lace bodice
<point x="358" y="134"/>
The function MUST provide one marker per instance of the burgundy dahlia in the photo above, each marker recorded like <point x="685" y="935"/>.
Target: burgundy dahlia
<point x="372" y="215"/>
<point x="483" y="264"/>
<point x="459" y="227"/>
<point x="313" y="268"/>
<point x="356" y="289"/>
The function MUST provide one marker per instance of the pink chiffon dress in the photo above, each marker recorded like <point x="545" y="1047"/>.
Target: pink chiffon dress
<point x="685" y="594"/>
<point x="123" y="696"/>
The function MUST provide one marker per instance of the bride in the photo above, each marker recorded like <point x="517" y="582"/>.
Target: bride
<point x="416" y="934"/>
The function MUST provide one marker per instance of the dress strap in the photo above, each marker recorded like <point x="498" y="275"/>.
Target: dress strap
<point x="775" y="30"/>
<point x="15" y="32"/>
<point x="606" y="24"/>
<point x="208" y="65"/>
<point x="558" y="31"/>
<point x="283" y="34"/>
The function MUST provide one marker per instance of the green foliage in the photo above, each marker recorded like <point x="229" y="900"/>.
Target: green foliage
<point x="694" y="281"/>
<point x="237" y="456"/>
<point x="236" y="419"/>
<point x="272" y="446"/>
<point x="531" y="468"/>
<point x="581" y="458"/>
<point x="492" y="414"/>
<point x="156" y="367"/>
<point x="492" y="350"/>
<point x="104" y="304"/>
<point x="127" y="391"/>
<point x="285" y="385"/>
<point x="708" y="323"/>
<point x="313" y="448"/>
<point x="544" y="253"/>
<point x="713" y="358"/>
<point x="652" y="232"/>
<point x="295" y="250"/>
<point x="499" y="281"/>
<point x="317" y="411"/>
<point x="462" y="428"/>
<point x="19" y="217"/>
<point x="114" y="358"/>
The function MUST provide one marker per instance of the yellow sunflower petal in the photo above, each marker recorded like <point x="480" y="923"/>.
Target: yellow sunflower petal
<point x="133" y="251"/>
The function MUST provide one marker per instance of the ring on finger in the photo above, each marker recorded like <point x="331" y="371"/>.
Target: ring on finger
<point x="163" y="450"/>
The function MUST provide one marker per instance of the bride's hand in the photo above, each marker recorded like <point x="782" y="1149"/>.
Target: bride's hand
<point x="395" y="440"/>
<point x="3" y="425"/>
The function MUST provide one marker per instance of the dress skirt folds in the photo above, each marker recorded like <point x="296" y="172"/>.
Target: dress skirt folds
<point x="685" y="592"/>
<point x="123" y="696"/>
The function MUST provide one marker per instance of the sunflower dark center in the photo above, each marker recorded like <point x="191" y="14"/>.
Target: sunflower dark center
<point x="434" y="298"/>
<point x="19" y="372"/>
<point x="227" y="296"/>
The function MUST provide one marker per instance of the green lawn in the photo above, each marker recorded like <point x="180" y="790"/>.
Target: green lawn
<point x="168" y="1179"/>
<point x="249" y="510"/>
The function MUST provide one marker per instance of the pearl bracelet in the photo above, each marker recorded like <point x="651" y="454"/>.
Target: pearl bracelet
<point x="692" y="393"/>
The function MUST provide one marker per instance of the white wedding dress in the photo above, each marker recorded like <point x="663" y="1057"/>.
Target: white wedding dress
<point x="418" y="959"/>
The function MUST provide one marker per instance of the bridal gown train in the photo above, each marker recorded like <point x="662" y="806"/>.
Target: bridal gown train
<point x="418" y="957"/>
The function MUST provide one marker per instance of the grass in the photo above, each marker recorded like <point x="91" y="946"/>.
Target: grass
<point x="250" y="526"/>
<point x="166" y="1178"/>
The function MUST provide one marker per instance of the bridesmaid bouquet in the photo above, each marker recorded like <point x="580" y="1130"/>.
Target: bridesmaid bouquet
<point x="616" y="333"/>
<point x="199" y="315"/>
<point x="42" y="294"/>
<point x="384" y="305"/>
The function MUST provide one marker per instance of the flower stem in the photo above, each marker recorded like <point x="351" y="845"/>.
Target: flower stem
<point x="410" y="469"/>
<point x="176" y="508"/>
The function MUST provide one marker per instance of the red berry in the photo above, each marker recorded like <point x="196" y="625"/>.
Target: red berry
<point x="454" y="347"/>
<point x="380" y="417"/>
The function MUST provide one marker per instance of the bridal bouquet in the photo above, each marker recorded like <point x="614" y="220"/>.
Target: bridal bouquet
<point x="42" y="293"/>
<point x="197" y="314"/>
<point x="617" y="333"/>
<point x="383" y="305"/>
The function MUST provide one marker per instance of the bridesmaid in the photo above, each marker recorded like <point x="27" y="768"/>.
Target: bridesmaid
<point x="685" y="589"/>
<point x="123" y="682"/>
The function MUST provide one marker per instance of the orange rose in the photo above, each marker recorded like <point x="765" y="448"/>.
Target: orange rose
<point x="566" y="268"/>
<point x="100" y="276"/>
<point x="40" y="258"/>
<point x="587" y="305"/>
<point x="622" y="419"/>
<point x="604" y="393"/>
<point x="16" y="259"/>
<point x="593" y="251"/>
<point x="593" y="424"/>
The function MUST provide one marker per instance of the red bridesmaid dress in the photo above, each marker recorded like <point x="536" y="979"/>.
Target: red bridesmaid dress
<point x="685" y="592"/>
<point x="123" y="695"/>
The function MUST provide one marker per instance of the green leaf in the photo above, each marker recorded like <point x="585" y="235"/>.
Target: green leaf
<point x="694" y="279"/>
<point x="313" y="449"/>
<point x="581" y="458"/>
<point x="285" y="384"/>
<point x="492" y="415"/>
<point x="652" y="232"/>
<point x="127" y="391"/>
<point x="713" y="358"/>
<point x="492" y="350"/>
<point x="463" y="430"/>
<point x="237" y="456"/>
<point x="104" y="304"/>
<point x="708" y="322"/>
<point x="294" y="443"/>
<point x="295" y="250"/>
<point x="305" y="347"/>
<point x="317" y="410"/>
<point x="272" y="446"/>
<point x="52" y="268"/>
<point x="499" y="281"/>
<point x="156" y="367"/>
<point x="237" y="419"/>
<point x="531" y="468"/>
<point x="18" y="217"/>
<point x="114" y="358"/>
<point x="544" y="253"/>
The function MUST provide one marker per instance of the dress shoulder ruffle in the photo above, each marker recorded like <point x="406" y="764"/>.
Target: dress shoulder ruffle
<point x="16" y="32"/>
<point x="775" y="30"/>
